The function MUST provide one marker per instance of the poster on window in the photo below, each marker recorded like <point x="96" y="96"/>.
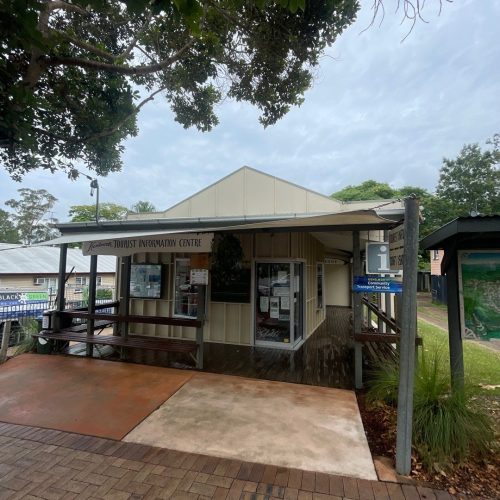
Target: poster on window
<point x="274" y="303"/>
<point x="479" y="282"/>
<point x="145" y="281"/>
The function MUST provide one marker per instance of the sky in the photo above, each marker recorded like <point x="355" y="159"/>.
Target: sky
<point x="380" y="108"/>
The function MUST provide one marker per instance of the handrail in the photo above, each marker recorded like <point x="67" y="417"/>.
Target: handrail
<point x="97" y="307"/>
<point x="389" y="338"/>
<point x="155" y="320"/>
<point x="390" y="322"/>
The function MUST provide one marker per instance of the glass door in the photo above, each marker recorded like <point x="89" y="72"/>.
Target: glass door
<point x="278" y="303"/>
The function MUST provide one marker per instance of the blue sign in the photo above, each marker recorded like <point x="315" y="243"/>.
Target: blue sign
<point x="375" y="284"/>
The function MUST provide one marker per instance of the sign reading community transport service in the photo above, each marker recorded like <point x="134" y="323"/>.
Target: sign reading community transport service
<point x="186" y="243"/>
<point x="375" y="284"/>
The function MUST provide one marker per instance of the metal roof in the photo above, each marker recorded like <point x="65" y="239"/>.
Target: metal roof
<point x="18" y="259"/>
<point x="485" y="226"/>
<point x="343" y="221"/>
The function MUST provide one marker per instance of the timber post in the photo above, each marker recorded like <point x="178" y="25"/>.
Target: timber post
<point x="91" y="301"/>
<point x="200" y="316"/>
<point x="408" y="333"/>
<point x="357" y="312"/>
<point x="61" y="285"/>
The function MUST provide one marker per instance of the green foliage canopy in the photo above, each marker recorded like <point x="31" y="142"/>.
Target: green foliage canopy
<point x="29" y="212"/>
<point x="8" y="231"/>
<point x="143" y="207"/>
<point x="107" y="211"/>
<point x="472" y="180"/>
<point x="69" y="71"/>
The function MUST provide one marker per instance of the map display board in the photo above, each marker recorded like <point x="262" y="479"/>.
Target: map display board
<point x="479" y="282"/>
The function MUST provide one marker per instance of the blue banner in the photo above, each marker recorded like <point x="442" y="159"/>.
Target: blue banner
<point x="375" y="284"/>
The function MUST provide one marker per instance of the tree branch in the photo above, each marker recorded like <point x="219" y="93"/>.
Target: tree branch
<point x="107" y="132"/>
<point x="86" y="46"/>
<point x="133" y="42"/>
<point x="115" y="68"/>
<point x="69" y="7"/>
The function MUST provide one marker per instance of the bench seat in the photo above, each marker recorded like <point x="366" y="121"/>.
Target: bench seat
<point x="133" y="341"/>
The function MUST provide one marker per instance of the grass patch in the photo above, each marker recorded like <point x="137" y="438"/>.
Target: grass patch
<point x="481" y="364"/>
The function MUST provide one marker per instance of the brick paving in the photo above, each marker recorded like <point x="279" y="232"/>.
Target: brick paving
<point x="47" y="464"/>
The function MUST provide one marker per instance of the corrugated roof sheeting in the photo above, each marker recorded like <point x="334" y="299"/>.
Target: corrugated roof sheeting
<point x="16" y="259"/>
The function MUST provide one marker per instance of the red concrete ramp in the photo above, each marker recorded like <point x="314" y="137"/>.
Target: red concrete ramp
<point x="83" y="395"/>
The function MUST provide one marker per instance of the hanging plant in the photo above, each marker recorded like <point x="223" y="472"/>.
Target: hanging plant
<point x="227" y="257"/>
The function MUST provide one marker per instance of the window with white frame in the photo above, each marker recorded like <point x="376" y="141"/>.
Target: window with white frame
<point x="99" y="281"/>
<point x="320" y="284"/>
<point x="80" y="280"/>
<point x="185" y="294"/>
<point x="435" y="255"/>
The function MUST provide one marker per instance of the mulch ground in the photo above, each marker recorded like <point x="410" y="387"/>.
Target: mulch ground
<point x="477" y="477"/>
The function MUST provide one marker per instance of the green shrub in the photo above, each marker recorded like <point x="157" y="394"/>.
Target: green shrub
<point x="446" y="428"/>
<point x="104" y="293"/>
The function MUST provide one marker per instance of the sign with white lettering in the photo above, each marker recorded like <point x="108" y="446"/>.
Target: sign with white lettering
<point x="376" y="284"/>
<point x="396" y="248"/>
<point x="174" y="243"/>
<point x="377" y="258"/>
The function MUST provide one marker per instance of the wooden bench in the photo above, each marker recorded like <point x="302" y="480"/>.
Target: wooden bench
<point x="98" y="325"/>
<point x="132" y="341"/>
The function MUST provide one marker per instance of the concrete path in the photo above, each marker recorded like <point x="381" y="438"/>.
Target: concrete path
<point x="287" y="425"/>
<point x="46" y="464"/>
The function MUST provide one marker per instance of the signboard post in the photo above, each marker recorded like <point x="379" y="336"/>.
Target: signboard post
<point x="407" y="341"/>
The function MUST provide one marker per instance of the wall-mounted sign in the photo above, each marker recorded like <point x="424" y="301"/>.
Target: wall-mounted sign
<point x="376" y="284"/>
<point x="396" y="248"/>
<point x="198" y="277"/>
<point x="175" y="243"/>
<point x="479" y="292"/>
<point x="19" y="298"/>
<point x="334" y="260"/>
<point x="377" y="258"/>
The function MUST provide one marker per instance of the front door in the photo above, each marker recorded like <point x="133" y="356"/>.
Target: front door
<point x="278" y="303"/>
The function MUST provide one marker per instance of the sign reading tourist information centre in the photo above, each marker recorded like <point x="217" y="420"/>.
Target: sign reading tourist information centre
<point x="175" y="243"/>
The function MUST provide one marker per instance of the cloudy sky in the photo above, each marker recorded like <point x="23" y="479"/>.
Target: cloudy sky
<point x="379" y="109"/>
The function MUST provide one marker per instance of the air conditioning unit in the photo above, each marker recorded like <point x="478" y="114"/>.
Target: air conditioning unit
<point x="39" y="281"/>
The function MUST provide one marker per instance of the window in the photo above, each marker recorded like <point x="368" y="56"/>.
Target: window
<point x="435" y="255"/>
<point x="185" y="294"/>
<point x="99" y="281"/>
<point x="80" y="280"/>
<point x="145" y="281"/>
<point x="320" y="284"/>
<point x="39" y="281"/>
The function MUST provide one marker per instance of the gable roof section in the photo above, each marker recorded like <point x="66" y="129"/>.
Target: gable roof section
<point x="250" y="192"/>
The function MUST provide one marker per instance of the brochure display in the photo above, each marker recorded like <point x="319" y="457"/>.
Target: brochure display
<point x="145" y="281"/>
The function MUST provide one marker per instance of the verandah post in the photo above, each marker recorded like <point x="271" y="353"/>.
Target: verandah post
<point x="91" y="301"/>
<point x="61" y="284"/>
<point x="357" y="312"/>
<point x="124" y="306"/>
<point x="200" y="316"/>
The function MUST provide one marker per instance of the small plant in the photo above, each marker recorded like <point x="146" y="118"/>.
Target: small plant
<point x="446" y="429"/>
<point x="27" y="341"/>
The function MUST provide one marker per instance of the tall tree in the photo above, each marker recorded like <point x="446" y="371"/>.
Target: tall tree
<point x="367" y="190"/>
<point x="107" y="211"/>
<point x="8" y="232"/>
<point x="471" y="182"/>
<point x="143" y="207"/>
<point x="29" y="212"/>
<point x="69" y="70"/>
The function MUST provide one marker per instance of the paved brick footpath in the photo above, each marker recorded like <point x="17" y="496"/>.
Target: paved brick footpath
<point x="40" y="463"/>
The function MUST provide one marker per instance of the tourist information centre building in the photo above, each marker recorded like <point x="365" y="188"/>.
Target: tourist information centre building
<point x="271" y="255"/>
